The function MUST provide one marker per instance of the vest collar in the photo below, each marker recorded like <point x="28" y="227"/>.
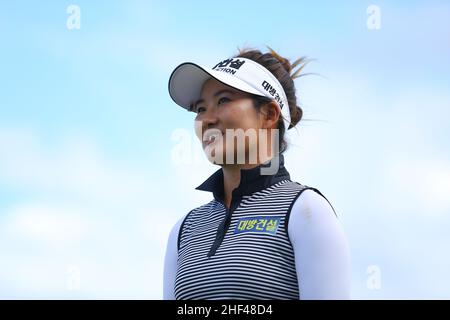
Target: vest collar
<point x="251" y="180"/>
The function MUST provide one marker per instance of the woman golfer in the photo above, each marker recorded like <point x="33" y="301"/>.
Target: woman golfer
<point x="262" y="236"/>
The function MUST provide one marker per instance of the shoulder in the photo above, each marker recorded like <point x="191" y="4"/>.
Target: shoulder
<point x="311" y="214"/>
<point x="174" y="232"/>
<point x="312" y="200"/>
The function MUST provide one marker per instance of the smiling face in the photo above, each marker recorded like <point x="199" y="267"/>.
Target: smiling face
<point x="227" y="122"/>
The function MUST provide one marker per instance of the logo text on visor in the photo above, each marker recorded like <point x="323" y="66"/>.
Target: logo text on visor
<point x="273" y="92"/>
<point x="229" y="65"/>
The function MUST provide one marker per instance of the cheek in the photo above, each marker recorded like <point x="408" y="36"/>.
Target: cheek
<point x="241" y="116"/>
<point x="198" y="129"/>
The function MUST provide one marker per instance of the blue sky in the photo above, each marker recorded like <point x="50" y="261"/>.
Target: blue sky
<point x="89" y="186"/>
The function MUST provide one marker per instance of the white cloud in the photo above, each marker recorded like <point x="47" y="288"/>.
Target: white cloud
<point x="42" y="243"/>
<point x="104" y="217"/>
<point x="369" y="161"/>
<point x="383" y="160"/>
<point x="419" y="184"/>
<point x="51" y="226"/>
<point x="77" y="167"/>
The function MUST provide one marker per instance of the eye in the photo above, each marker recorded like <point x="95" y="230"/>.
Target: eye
<point x="223" y="100"/>
<point x="200" y="109"/>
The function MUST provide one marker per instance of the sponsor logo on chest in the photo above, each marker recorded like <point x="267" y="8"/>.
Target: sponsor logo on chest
<point x="257" y="224"/>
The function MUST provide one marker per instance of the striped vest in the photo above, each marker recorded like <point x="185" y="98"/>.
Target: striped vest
<point x="243" y="252"/>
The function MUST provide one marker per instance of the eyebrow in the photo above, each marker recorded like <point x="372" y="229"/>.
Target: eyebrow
<point x="218" y="93"/>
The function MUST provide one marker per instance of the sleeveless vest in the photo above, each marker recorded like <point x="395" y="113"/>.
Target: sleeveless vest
<point x="241" y="252"/>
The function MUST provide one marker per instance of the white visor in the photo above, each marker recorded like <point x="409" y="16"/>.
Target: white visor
<point x="186" y="82"/>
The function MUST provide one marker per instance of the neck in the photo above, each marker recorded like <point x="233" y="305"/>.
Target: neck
<point x="232" y="178"/>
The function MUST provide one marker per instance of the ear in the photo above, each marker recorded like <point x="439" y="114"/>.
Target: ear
<point x="270" y="115"/>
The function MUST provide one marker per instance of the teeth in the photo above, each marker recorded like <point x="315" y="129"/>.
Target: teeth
<point x="211" y="137"/>
<point x="214" y="136"/>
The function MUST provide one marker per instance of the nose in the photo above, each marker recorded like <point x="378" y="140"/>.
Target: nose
<point x="209" y="119"/>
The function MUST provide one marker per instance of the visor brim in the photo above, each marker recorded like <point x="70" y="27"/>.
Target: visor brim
<point x="186" y="83"/>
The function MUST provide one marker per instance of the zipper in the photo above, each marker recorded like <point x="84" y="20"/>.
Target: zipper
<point x="224" y="225"/>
